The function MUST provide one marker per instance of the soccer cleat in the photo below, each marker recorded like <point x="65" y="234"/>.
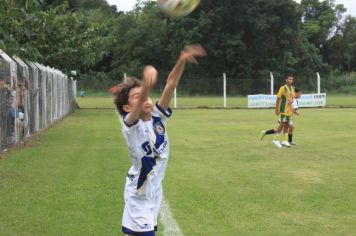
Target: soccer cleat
<point x="263" y="133"/>
<point x="277" y="143"/>
<point x="286" y="143"/>
<point x="293" y="144"/>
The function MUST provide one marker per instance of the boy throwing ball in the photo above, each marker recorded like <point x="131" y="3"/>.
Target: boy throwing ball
<point x="146" y="136"/>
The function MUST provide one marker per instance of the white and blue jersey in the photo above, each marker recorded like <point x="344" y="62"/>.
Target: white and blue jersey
<point x="295" y="107"/>
<point x="148" y="152"/>
<point x="295" y="104"/>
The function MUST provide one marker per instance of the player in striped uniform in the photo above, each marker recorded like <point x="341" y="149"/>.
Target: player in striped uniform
<point x="284" y="111"/>
<point x="145" y="132"/>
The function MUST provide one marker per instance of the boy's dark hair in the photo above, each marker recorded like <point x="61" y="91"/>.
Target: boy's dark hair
<point x="297" y="90"/>
<point x="122" y="94"/>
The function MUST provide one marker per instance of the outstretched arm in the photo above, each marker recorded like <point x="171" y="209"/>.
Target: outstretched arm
<point x="149" y="80"/>
<point x="188" y="54"/>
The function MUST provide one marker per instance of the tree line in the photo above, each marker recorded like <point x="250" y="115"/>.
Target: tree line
<point x="243" y="38"/>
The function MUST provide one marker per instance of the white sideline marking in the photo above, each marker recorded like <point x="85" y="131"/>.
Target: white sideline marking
<point x="170" y="226"/>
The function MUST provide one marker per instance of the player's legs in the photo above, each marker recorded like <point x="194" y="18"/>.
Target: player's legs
<point x="276" y="137"/>
<point x="157" y="203"/>
<point x="275" y="131"/>
<point x="272" y="131"/>
<point x="285" y="132"/>
<point x="276" y="140"/>
<point x="290" y="134"/>
<point x="285" y="121"/>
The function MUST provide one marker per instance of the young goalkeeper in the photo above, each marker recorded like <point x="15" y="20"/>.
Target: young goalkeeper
<point x="295" y="107"/>
<point x="145" y="132"/>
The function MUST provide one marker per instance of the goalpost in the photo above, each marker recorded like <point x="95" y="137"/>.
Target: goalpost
<point x="224" y="85"/>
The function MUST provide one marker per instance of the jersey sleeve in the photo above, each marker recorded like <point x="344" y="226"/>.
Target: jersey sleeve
<point x="127" y="127"/>
<point x="159" y="111"/>
<point x="280" y="92"/>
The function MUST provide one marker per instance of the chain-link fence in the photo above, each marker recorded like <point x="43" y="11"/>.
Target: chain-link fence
<point x="32" y="97"/>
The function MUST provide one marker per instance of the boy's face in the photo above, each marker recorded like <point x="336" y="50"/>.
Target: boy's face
<point x="134" y="96"/>
<point x="298" y="94"/>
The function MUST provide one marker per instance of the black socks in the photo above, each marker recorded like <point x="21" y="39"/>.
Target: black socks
<point x="270" y="131"/>
<point x="290" y="137"/>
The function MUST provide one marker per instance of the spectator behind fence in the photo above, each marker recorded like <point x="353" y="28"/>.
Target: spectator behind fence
<point x="20" y="119"/>
<point x="10" y="120"/>
<point x="20" y="96"/>
<point x="20" y="125"/>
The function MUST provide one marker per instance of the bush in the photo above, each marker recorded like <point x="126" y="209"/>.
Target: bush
<point x="98" y="81"/>
<point x="345" y="83"/>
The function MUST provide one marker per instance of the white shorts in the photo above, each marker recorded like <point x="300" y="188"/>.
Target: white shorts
<point x="141" y="213"/>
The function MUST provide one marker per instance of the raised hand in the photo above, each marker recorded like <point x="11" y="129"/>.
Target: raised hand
<point x="150" y="75"/>
<point x="190" y="53"/>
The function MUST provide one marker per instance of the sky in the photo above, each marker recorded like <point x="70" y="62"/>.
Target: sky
<point x="128" y="5"/>
<point x="123" y="5"/>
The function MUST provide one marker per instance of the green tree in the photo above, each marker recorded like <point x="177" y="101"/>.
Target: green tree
<point x="341" y="49"/>
<point x="321" y="20"/>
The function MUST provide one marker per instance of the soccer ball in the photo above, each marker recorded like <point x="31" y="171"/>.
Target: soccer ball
<point x="177" y="8"/>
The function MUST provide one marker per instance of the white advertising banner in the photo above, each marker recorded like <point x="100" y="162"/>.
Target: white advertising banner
<point x="266" y="101"/>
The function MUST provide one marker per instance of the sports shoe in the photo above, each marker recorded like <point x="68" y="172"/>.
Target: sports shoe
<point x="277" y="143"/>
<point x="263" y="133"/>
<point x="286" y="143"/>
<point x="293" y="144"/>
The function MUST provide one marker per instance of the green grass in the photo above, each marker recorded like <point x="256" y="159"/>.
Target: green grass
<point x="96" y="102"/>
<point x="341" y="100"/>
<point x="102" y="101"/>
<point x="221" y="179"/>
<point x="69" y="181"/>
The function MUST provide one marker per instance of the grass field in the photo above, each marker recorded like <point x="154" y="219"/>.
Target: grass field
<point x="106" y="101"/>
<point x="221" y="179"/>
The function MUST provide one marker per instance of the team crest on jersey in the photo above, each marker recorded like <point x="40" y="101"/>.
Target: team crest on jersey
<point x="159" y="129"/>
